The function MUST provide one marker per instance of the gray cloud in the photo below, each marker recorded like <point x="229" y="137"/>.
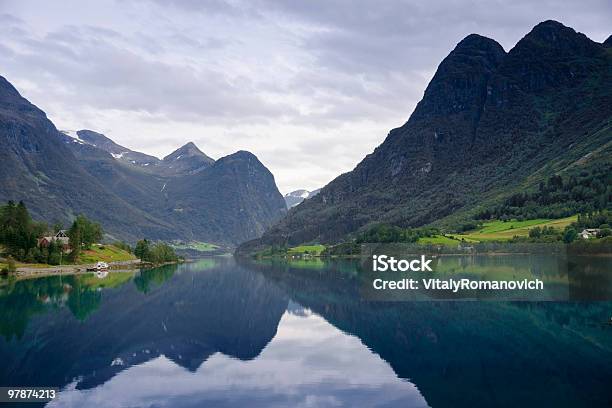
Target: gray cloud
<point x="98" y="73"/>
<point x="310" y="87"/>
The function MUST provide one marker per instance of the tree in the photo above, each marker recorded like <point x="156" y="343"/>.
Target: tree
<point x="83" y="233"/>
<point x="54" y="253"/>
<point x="18" y="232"/>
<point x="142" y="249"/>
<point x="570" y="235"/>
<point x="535" y="232"/>
<point x="74" y="235"/>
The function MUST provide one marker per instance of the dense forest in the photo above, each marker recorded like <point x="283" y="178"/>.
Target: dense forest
<point x="384" y="233"/>
<point x="558" y="197"/>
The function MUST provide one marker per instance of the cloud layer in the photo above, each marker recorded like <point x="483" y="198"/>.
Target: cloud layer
<point x="309" y="87"/>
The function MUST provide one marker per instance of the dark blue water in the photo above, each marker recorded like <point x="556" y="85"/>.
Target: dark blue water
<point x="221" y="333"/>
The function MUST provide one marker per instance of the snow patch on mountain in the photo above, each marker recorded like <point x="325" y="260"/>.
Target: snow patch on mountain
<point x="296" y="197"/>
<point x="73" y="134"/>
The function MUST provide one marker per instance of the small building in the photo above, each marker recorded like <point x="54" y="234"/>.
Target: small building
<point x="60" y="238"/>
<point x="589" y="233"/>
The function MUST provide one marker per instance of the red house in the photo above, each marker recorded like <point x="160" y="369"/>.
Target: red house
<point x="60" y="238"/>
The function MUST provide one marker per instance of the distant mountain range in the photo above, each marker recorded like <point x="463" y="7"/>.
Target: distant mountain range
<point x="491" y="123"/>
<point x="186" y="196"/>
<point x="187" y="159"/>
<point x="295" y="197"/>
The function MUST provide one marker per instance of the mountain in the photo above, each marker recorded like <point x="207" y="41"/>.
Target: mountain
<point x="295" y="197"/>
<point x="117" y="151"/>
<point x="40" y="170"/>
<point x="235" y="197"/>
<point x="187" y="159"/>
<point x="186" y="196"/>
<point x="228" y="201"/>
<point x="490" y="124"/>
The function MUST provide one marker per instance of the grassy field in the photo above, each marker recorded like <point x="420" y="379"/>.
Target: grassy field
<point x="314" y="250"/>
<point x="105" y="253"/>
<point x="438" y="240"/>
<point x="506" y="230"/>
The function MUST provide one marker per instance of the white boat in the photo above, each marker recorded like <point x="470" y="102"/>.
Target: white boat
<point x="101" y="265"/>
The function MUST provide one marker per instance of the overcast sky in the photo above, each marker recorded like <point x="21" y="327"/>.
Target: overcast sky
<point x="310" y="87"/>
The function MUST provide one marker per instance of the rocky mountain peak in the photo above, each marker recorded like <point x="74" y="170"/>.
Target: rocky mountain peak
<point x="98" y="140"/>
<point x="187" y="159"/>
<point x="460" y="81"/>
<point x="554" y="37"/>
<point x="243" y="154"/>
<point x="551" y="31"/>
<point x="552" y="55"/>
<point x="478" y="45"/>
<point x="187" y="150"/>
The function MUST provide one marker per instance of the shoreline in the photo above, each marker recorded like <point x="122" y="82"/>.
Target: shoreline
<point x="443" y="254"/>
<point x="25" y="271"/>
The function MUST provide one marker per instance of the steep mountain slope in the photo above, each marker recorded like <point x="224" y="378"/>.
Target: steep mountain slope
<point x="185" y="196"/>
<point x="36" y="167"/>
<point x="236" y="197"/>
<point x="132" y="182"/>
<point x="490" y="122"/>
<point x="295" y="197"/>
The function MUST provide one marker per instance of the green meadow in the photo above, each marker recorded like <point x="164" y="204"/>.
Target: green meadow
<point x="506" y="230"/>
<point x="314" y="250"/>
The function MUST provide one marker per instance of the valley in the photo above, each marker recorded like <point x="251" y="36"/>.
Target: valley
<point x="306" y="204"/>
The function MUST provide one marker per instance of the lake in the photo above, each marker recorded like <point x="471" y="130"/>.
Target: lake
<point x="221" y="332"/>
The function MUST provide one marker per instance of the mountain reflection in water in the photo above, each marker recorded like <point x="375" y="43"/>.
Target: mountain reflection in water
<point x="226" y="334"/>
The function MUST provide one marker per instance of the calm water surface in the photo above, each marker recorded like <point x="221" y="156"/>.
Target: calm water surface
<point x="221" y="333"/>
